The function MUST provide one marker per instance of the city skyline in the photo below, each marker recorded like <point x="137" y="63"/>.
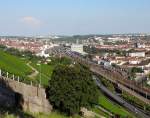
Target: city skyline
<point x="68" y="17"/>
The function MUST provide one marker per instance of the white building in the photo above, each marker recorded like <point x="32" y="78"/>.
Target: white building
<point x="137" y="54"/>
<point x="43" y="51"/>
<point x="105" y="63"/>
<point x="43" y="54"/>
<point x="139" y="45"/>
<point x="115" y="39"/>
<point x="148" y="82"/>
<point x="134" y="61"/>
<point x="77" y="48"/>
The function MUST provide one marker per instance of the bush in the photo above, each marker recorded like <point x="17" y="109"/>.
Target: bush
<point x="72" y="87"/>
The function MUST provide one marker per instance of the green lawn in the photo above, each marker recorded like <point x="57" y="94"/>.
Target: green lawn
<point x="19" y="67"/>
<point x="42" y="115"/>
<point x="100" y="112"/>
<point x="45" y="71"/>
<point x="51" y="115"/>
<point x="14" y="64"/>
<point x="112" y="107"/>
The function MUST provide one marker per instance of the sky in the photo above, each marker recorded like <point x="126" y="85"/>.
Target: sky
<point x="72" y="17"/>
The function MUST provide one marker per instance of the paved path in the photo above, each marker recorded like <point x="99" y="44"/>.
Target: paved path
<point x="35" y="73"/>
<point x="105" y="111"/>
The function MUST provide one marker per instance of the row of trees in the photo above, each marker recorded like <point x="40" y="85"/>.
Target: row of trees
<point x="26" y="54"/>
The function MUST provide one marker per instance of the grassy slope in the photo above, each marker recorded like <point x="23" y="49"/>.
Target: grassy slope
<point x="41" y="115"/>
<point x="98" y="111"/>
<point x="114" y="108"/>
<point x="19" y="67"/>
<point x="46" y="71"/>
<point x="52" y="115"/>
<point x="13" y="64"/>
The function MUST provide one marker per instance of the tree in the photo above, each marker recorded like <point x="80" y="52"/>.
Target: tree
<point x="136" y="70"/>
<point x="72" y="87"/>
<point x="60" y="60"/>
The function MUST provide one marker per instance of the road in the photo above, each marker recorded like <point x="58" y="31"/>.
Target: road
<point x="118" y="99"/>
<point x="114" y="75"/>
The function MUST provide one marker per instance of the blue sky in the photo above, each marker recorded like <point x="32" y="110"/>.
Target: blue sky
<point x="68" y="17"/>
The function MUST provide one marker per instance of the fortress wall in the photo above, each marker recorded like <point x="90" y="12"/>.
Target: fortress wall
<point x="32" y="99"/>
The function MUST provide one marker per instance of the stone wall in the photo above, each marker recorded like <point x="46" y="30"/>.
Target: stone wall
<point x="30" y="98"/>
<point x="7" y="97"/>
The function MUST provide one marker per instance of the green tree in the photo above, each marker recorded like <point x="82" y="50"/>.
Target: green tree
<point x="72" y="87"/>
<point x="60" y="60"/>
<point x="136" y="70"/>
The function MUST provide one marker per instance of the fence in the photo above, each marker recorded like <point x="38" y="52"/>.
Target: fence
<point x="8" y="75"/>
<point x="33" y="97"/>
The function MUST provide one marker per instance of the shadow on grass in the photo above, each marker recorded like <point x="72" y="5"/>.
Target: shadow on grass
<point x="13" y="111"/>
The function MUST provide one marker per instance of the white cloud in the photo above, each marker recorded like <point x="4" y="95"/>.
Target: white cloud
<point x="31" y="21"/>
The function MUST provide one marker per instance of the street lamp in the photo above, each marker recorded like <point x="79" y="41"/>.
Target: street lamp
<point x="40" y="71"/>
<point x="131" y="83"/>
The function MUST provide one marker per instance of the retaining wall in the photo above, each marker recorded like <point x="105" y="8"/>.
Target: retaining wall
<point x="30" y="98"/>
